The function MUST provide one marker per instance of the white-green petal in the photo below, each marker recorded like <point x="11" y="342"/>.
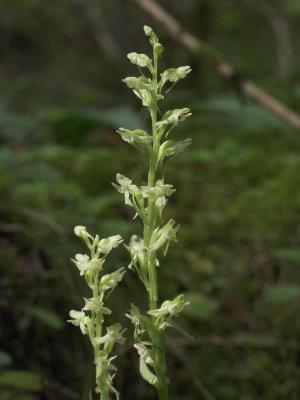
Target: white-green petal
<point x="138" y="83"/>
<point x="173" y="75"/>
<point x="106" y="245"/>
<point x="172" y="148"/>
<point x="170" y="307"/>
<point x="163" y="236"/>
<point x="134" y="136"/>
<point x="79" y="318"/>
<point x="84" y="264"/>
<point x="141" y="60"/>
<point x="173" y="117"/>
<point x="94" y="304"/>
<point x="110" y="281"/>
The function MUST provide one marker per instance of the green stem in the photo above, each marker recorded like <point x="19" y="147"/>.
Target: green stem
<point x="104" y="394"/>
<point x="97" y="323"/>
<point x="159" y="346"/>
<point x="161" y="370"/>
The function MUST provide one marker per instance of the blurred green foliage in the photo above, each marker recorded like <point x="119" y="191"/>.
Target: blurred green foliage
<point x="237" y="199"/>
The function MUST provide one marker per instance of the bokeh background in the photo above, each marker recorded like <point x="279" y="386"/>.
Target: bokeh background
<point x="237" y="199"/>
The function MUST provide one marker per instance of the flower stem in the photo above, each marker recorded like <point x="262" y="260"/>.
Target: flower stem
<point x="104" y="395"/>
<point x="159" y="346"/>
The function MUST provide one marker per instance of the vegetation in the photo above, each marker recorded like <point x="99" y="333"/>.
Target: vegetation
<point x="237" y="200"/>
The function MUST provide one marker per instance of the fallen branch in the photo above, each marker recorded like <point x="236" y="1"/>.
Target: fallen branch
<point x="230" y="342"/>
<point x="225" y="69"/>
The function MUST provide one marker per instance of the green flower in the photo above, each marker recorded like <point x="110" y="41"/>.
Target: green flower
<point x="163" y="236"/>
<point x="138" y="83"/>
<point x="170" y="307"/>
<point x="107" y="244"/>
<point x="145" y="96"/>
<point x="161" y="191"/>
<point x="171" y="148"/>
<point x="110" y="281"/>
<point x="173" y="75"/>
<point x="79" y="318"/>
<point x="95" y="304"/>
<point x="103" y="364"/>
<point x="84" y="264"/>
<point x="173" y="117"/>
<point x="114" y="334"/>
<point x="137" y="136"/>
<point x="141" y="60"/>
<point x="127" y="188"/>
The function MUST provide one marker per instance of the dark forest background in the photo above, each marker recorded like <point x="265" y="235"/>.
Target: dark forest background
<point x="237" y="199"/>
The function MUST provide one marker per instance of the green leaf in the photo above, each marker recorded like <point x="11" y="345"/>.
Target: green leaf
<point x="292" y="6"/>
<point x="5" y="359"/>
<point x="288" y="255"/>
<point x="47" y="317"/>
<point x="201" y="306"/>
<point x="21" y="380"/>
<point x="250" y="116"/>
<point x="181" y="330"/>
<point x="116" y="117"/>
<point x="281" y="293"/>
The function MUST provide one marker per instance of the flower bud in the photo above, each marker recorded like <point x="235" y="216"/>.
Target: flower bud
<point x="148" y="31"/>
<point x="158" y="48"/>
<point x="80" y="231"/>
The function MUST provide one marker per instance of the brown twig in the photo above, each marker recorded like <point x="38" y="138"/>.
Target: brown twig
<point x="225" y="69"/>
<point x="229" y="342"/>
<point x="94" y="14"/>
<point x="280" y="28"/>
